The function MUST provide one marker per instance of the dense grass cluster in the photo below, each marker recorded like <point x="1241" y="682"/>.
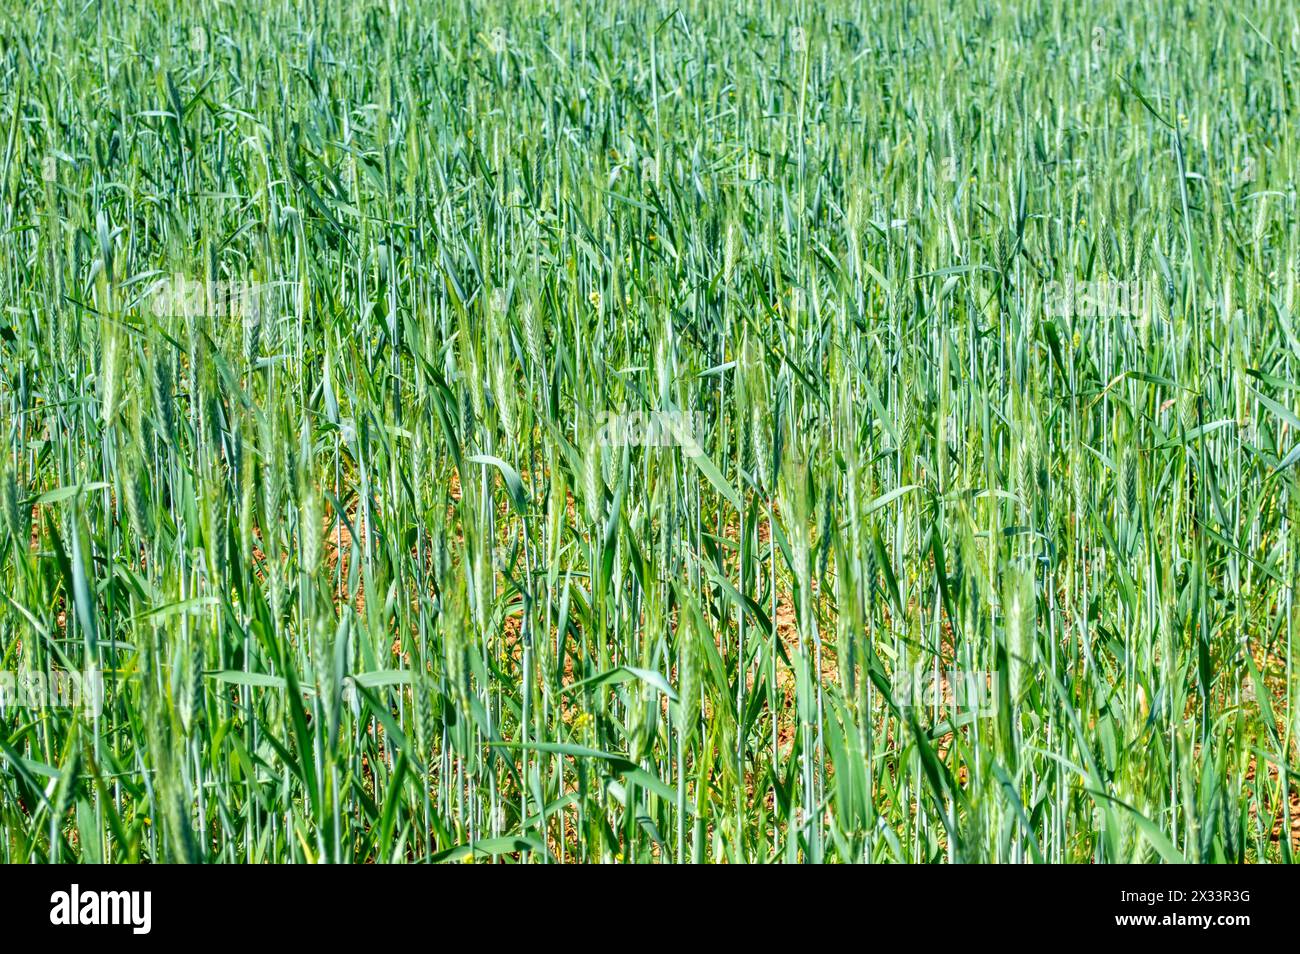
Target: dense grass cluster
<point x="595" y="422"/>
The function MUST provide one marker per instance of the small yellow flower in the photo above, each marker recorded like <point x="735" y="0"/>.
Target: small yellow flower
<point x="594" y="298"/>
<point x="1078" y="339"/>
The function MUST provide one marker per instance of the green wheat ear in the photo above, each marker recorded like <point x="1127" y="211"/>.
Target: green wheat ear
<point x="10" y="512"/>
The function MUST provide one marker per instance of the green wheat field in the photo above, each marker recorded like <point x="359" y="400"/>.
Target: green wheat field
<point x="630" y="432"/>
